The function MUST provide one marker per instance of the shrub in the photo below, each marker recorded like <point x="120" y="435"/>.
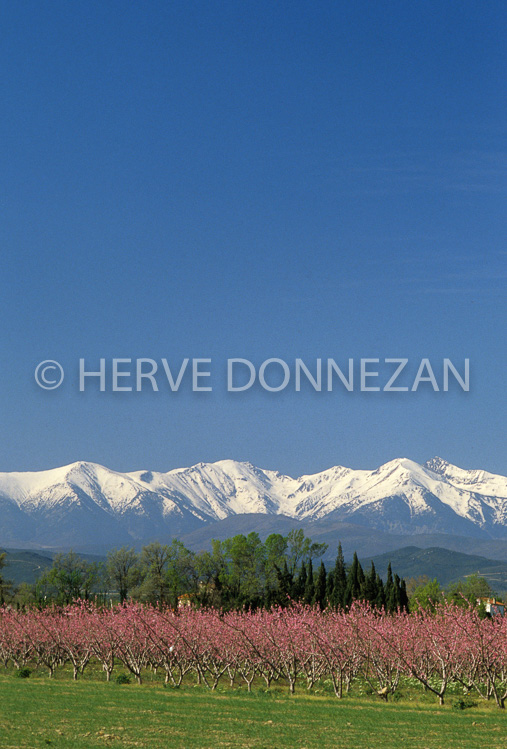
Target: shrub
<point x="23" y="673"/>
<point x="123" y="679"/>
<point x="463" y="703"/>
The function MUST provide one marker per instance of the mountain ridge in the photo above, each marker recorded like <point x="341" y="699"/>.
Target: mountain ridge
<point x="84" y="500"/>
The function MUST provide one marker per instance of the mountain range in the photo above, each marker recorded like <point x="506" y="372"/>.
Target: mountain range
<point x="88" y="506"/>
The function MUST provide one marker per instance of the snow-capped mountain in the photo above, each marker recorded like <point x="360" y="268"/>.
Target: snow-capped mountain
<point x="85" y="503"/>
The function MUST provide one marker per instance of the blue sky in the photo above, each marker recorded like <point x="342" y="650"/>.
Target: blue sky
<point x="223" y="179"/>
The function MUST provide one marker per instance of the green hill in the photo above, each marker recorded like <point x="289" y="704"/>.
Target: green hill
<point x="447" y="566"/>
<point x="25" y="566"/>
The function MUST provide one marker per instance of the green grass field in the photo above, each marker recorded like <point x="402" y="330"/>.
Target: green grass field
<point x="39" y="712"/>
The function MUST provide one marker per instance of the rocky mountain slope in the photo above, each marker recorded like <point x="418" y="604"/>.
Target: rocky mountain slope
<point x="88" y="504"/>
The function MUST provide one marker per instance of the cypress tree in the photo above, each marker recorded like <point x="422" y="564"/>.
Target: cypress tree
<point x="380" y="601"/>
<point x="355" y="581"/>
<point x="284" y="584"/>
<point x="319" y="596"/>
<point x="389" y="589"/>
<point x="329" y="588"/>
<point x="403" y="596"/>
<point x="393" y="601"/>
<point x="310" y="586"/>
<point x="300" y="584"/>
<point x="360" y="572"/>
<point x="339" y="575"/>
<point x="369" y="590"/>
<point x="399" y="592"/>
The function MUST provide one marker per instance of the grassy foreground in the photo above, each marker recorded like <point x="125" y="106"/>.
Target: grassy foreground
<point x="40" y="713"/>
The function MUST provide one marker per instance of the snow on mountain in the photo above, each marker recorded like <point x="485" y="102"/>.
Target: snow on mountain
<point x="87" y="503"/>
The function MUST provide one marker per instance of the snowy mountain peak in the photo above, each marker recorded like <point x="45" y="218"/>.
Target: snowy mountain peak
<point x="86" y="500"/>
<point x="437" y="465"/>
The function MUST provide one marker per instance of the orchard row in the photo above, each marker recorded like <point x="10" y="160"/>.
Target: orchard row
<point x="297" y="645"/>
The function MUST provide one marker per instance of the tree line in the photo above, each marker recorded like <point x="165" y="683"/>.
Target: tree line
<point x="241" y="572"/>
<point x="236" y="573"/>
